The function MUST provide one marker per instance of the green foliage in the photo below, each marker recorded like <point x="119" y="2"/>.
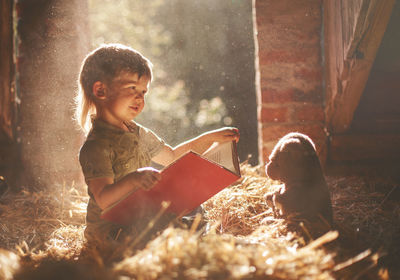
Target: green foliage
<point x="135" y="23"/>
<point x="128" y="22"/>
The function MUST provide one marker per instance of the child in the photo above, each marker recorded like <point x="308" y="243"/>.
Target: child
<point x="115" y="158"/>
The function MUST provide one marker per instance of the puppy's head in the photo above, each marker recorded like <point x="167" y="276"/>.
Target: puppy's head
<point x="293" y="159"/>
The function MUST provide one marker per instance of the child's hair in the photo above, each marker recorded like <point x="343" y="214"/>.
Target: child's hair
<point x="104" y="64"/>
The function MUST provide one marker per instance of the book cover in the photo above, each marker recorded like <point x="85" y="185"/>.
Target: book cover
<point x="186" y="183"/>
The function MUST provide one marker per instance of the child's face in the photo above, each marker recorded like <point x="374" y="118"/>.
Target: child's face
<point x="125" y="97"/>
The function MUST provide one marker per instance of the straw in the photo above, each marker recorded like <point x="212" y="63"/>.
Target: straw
<point x="241" y="240"/>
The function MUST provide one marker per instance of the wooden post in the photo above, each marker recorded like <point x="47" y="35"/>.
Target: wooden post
<point x="7" y="98"/>
<point x="9" y="153"/>
<point x="53" y="35"/>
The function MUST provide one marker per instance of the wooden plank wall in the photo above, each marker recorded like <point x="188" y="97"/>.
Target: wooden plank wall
<point x="379" y="108"/>
<point x="365" y="147"/>
<point x="353" y="33"/>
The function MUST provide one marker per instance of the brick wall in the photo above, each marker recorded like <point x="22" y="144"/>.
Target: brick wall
<point x="290" y="81"/>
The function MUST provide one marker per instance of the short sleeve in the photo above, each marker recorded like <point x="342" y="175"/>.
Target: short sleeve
<point x="150" y="141"/>
<point x="95" y="160"/>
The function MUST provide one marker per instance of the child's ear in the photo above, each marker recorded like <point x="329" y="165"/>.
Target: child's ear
<point x="99" y="90"/>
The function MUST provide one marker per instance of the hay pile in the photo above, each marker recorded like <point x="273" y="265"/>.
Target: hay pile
<point x="179" y="254"/>
<point x="369" y="206"/>
<point x="367" y="209"/>
<point x="34" y="217"/>
<point x="242" y="240"/>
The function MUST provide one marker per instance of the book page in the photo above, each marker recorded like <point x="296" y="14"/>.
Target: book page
<point x="223" y="154"/>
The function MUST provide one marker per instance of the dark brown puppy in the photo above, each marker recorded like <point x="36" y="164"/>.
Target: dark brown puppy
<point x="295" y="163"/>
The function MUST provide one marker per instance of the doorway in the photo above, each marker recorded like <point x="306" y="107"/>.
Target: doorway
<point x="203" y="57"/>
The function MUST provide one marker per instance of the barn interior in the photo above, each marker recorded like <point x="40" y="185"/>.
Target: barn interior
<point x="329" y="69"/>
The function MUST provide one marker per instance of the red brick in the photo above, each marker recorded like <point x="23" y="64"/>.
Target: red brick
<point x="274" y="115"/>
<point x="289" y="21"/>
<point x="296" y="53"/>
<point x="287" y="10"/>
<point x="308" y="112"/>
<point x="290" y="70"/>
<point x="274" y="132"/>
<point x="280" y="37"/>
<point x="283" y="56"/>
<point x="309" y="74"/>
<point x="313" y="96"/>
<point x="277" y="96"/>
<point x="269" y="95"/>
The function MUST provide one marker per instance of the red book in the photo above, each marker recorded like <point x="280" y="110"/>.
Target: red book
<point x="186" y="183"/>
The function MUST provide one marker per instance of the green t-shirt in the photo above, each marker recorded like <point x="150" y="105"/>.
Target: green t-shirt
<point x="112" y="152"/>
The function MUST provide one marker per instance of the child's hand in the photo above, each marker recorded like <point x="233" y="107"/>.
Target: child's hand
<point x="147" y="177"/>
<point x="224" y="134"/>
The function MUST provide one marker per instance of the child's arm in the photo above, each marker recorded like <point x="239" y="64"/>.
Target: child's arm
<point x="198" y="144"/>
<point x="106" y="192"/>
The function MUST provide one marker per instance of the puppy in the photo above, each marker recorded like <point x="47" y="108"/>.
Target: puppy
<point x="295" y="163"/>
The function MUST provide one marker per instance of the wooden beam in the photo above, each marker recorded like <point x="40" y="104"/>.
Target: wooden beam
<point x="352" y="55"/>
<point x="7" y="98"/>
<point x="364" y="147"/>
<point x="332" y="47"/>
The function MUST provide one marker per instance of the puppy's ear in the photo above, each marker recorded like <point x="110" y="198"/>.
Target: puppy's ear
<point x="272" y="170"/>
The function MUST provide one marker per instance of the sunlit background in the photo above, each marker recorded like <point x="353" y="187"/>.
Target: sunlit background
<point x="203" y="57"/>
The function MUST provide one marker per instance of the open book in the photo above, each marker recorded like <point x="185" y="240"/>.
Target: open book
<point x="186" y="183"/>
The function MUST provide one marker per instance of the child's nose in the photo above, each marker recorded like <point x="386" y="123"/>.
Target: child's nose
<point x="140" y="96"/>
